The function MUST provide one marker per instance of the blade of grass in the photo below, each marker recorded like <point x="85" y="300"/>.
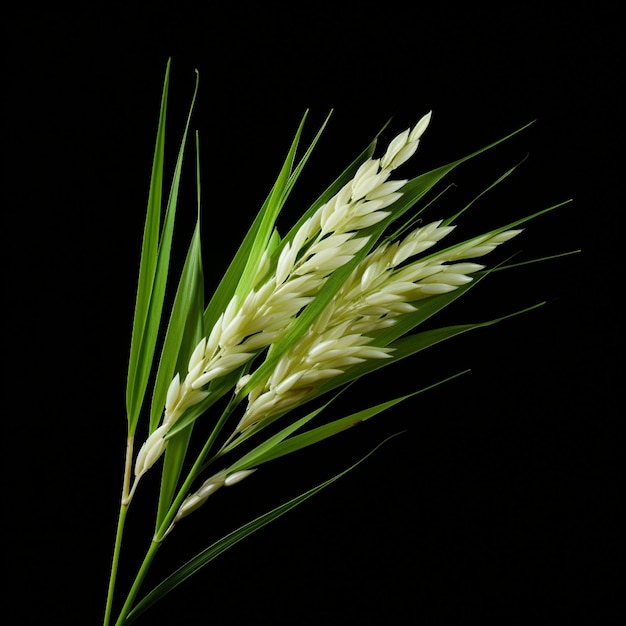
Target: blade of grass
<point x="184" y="324"/>
<point x="148" y="340"/>
<point x="268" y="217"/>
<point x="225" y="289"/>
<point x="410" y="345"/>
<point x="281" y="444"/>
<point x="216" y="549"/>
<point x="148" y="260"/>
<point x="241" y="269"/>
<point x="331" y="190"/>
<point x="259" y="451"/>
<point x="185" y="330"/>
<point x="427" y="308"/>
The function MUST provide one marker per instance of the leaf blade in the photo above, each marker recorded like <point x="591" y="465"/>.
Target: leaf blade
<point x="148" y="259"/>
<point x="285" y="444"/>
<point x="152" y="321"/>
<point x="185" y="330"/>
<point x="213" y="551"/>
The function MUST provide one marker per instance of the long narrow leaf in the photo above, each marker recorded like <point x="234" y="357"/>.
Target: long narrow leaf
<point x="148" y="261"/>
<point x="209" y="554"/>
<point x="268" y="217"/>
<point x="332" y="189"/>
<point x="185" y="331"/>
<point x="225" y="289"/>
<point x="241" y="268"/>
<point x="153" y="319"/>
<point x="283" y="444"/>
<point x="250" y="459"/>
<point x="410" y="345"/>
<point x="184" y="327"/>
<point x="453" y="218"/>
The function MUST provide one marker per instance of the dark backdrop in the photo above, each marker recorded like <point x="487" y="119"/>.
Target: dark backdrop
<point x="498" y="499"/>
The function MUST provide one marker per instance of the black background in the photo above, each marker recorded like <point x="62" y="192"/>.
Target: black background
<point x="499" y="499"/>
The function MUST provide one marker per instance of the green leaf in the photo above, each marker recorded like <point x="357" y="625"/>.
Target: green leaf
<point x="184" y="331"/>
<point x="251" y="458"/>
<point x="428" y="307"/>
<point x="282" y="443"/>
<point x="408" y="346"/>
<point x="268" y="216"/>
<point x="454" y="218"/>
<point x="142" y="357"/>
<point x="213" y="551"/>
<point x="185" y="328"/>
<point x="225" y="289"/>
<point x="147" y="265"/>
<point x="241" y="270"/>
<point x="334" y="188"/>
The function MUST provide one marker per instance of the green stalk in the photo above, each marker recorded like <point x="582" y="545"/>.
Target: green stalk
<point x="164" y="528"/>
<point x="141" y="574"/>
<point x="124" y="502"/>
<point x="116" y="558"/>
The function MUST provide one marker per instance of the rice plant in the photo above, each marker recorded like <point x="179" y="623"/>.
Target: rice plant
<point x="295" y="320"/>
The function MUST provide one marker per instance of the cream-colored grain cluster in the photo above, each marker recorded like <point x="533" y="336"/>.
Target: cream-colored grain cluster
<point x="327" y="240"/>
<point x="382" y="287"/>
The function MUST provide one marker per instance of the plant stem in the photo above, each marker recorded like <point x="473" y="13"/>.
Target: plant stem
<point x="197" y="467"/>
<point x="141" y="574"/>
<point x="156" y="543"/>
<point x="120" y="529"/>
<point x="165" y="526"/>
<point x="116" y="557"/>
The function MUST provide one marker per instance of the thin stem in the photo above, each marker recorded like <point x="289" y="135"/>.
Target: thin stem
<point x="120" y="529"/>
<point x="159" y="535"/>
<point x="197" y="467"/>
<point x="167" y="523"/>
<point x="141" y="574"/>
<point x="116" y="557"/>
